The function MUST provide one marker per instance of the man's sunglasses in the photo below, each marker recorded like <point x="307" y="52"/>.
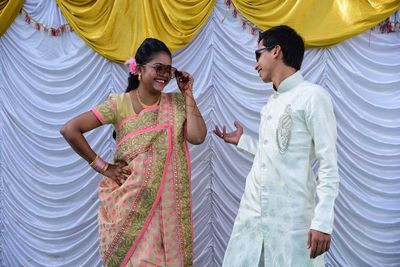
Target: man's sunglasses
<point x="258" y="52"/>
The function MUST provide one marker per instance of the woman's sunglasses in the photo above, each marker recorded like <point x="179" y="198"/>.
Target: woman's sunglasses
<point x="163" y="70"/>
<point x="169" y="71"/>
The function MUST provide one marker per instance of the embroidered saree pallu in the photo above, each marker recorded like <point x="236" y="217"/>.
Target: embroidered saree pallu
<point x="147" y="220"/>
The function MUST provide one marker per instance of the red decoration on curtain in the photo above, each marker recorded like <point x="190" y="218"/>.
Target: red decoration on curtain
<point x="245" y="22"/>
<point x="50" y="30"/>
<point x="391" y="24"/>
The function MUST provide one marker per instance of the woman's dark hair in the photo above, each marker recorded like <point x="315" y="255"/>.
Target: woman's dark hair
<point x="146" y="51"/>
<point x="289" y="40"/>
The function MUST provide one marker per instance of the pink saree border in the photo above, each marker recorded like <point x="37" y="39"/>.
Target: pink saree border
<point x="147" y="222"/>
<point x="124" y="121"/>
<point x="189" y="163"/>
<point x="98" y="115"/>
<point x="160" y="127"/>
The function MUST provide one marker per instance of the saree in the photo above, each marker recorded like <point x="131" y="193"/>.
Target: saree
<point x="147" y="221"/>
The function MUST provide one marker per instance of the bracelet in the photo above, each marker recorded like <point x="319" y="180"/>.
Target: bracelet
<point x="96" y="158"/>
<point x="99" y="165"/>
<point x="105" y="168"/>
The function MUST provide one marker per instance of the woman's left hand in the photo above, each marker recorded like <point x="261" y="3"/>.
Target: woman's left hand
<point x="184" y="81"/>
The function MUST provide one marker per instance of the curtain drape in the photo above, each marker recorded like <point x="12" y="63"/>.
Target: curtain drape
<point x="48" y="194"/>
<point x="115" y="29"/>
<point x="321" y="23"/>
<point x="8" y="11"/>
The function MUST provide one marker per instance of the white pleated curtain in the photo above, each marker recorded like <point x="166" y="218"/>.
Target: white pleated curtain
<point x="48" y="195"/>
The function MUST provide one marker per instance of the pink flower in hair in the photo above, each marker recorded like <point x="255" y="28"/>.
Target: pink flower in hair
<point x="132" y="65"/>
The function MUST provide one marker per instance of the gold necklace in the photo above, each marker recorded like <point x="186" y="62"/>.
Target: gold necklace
<point x="143" y="104"/>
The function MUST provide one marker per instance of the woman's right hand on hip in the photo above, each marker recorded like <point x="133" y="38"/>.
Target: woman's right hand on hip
<point x="118" y="172"/>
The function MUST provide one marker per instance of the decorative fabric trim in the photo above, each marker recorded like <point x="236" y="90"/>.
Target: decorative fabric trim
<point x="124" y="121"/>
<point x="155" y="204"/>
<point x="98" y="115"/>
<point x="50" y="30"/>
<point x="160" y="127"/>
<point x="391" y="24"/>
<point x="283" y="132"/>
<point x="246" y="24"/>
<point x="189" y="161"/>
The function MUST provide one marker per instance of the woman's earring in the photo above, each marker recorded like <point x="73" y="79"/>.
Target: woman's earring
<point x="140" y="76"/>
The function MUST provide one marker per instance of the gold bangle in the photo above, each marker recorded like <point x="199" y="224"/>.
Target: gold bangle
<point x="95" y="159"/>
<point x="104" y="169"/>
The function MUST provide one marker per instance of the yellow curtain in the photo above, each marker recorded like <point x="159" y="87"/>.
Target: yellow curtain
<point x="321" y="22"/>
<point x="8" y="12"/>
<point x="116" y="28"/>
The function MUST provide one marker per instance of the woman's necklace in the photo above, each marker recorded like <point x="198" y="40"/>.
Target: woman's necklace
<point x="143" y="104"/>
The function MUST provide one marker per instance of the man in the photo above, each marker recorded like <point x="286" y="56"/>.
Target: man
<point x="285" y="216"/>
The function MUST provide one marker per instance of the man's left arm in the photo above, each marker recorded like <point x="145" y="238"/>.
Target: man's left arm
<point x="321" y="123"/>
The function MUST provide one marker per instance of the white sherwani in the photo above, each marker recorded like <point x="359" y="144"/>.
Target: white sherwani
<point x="283" y="199"/>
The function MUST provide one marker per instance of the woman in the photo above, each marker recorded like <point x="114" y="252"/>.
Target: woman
<point x="145" y="195"/>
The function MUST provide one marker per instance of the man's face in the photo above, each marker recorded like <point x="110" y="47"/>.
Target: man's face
<point x="265" y="63"/>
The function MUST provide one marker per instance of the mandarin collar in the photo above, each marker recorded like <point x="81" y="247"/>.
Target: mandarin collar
<point x="290" y="82"/>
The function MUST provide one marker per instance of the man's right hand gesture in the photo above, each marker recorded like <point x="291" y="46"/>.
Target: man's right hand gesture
<point x="232" y="137"/>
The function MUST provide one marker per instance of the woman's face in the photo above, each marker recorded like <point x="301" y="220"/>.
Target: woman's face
<point x="157" y="73"/>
